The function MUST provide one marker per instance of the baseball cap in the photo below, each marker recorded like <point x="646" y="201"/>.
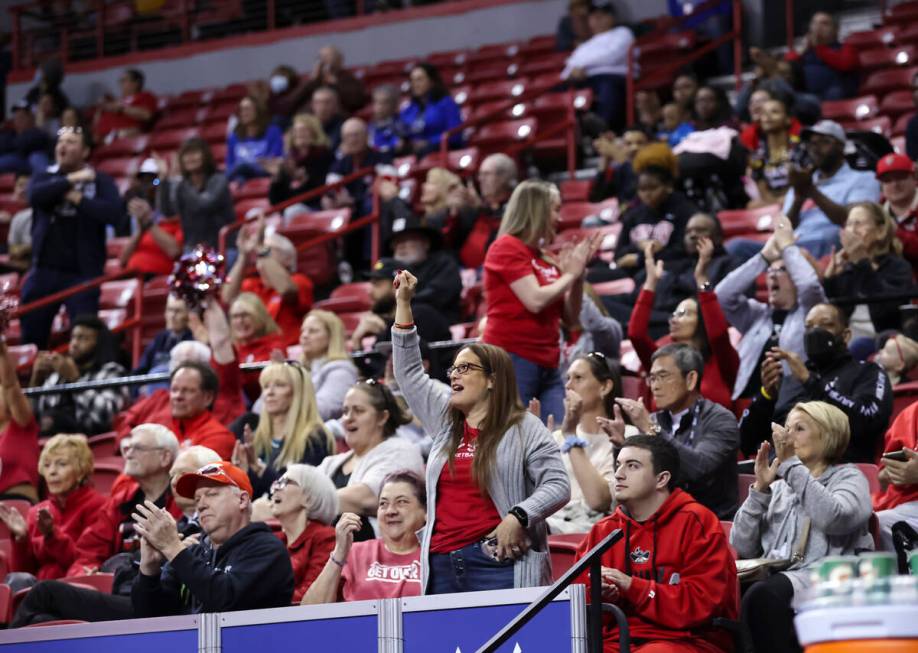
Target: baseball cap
<point x="148" y="167"/>
<point x="826" y="128"/>
<point x="222" y="472"/>
<point x="385" y="268"/>
<point x="602" y="5"/>
<point x="894" y="163"/>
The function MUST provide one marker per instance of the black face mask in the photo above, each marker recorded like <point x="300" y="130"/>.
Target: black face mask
<point x="822" y="346"/>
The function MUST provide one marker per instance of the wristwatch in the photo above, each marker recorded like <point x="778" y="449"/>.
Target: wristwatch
<point x="264" y="252"/>
<point x="521" y="515"/>
<point x="707" y="286"/>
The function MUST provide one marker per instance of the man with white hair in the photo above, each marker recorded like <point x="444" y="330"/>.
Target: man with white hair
<point x="353" y="154"/>
<point x="470" y="222"/>
<point x="240" y="565"/>
<point x="285" y="293"/>
<point x="148" y="455"/>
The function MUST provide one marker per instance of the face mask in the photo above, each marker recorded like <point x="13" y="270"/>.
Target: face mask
<point x="821" y="346"/>
<point x="279" y="84"/>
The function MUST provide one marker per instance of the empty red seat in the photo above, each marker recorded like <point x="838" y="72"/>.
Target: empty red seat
<point x="884" y="57"/>
<point x="499" y="135"/>
<point x="231" y="93"/>
<point x="908" y="34"/>
<point x="187" y="98"/>
<point x="104" y="475"/>
<point x="118" y="294"/>
<point x="180" y="118"/>
<point x="881" y="125"/>
<point x="902" y="123"/>
<point x="872" y="38"/>
<point x="897" y="103"/>
<point x="22" y="355"/>
<point x="575" y="190"/>
<point x="122" y="147"/>
<point x="563" y="551"/>
<point x="257" y="187"/>
<point x="872" y="473"/>
<point x="171" y="138"/>
<point x="219" y="112"/>
<point x="655" y="48"/>
<point x="244" y="206"/>
<point x="883" y="81"/>
<point x="214" y="133"/>
<point x="462" y="94"/>
<point x="490" y="73"/>
<point x="318" y="222"/>
<point x="119" y="166"/>
<point x="498" y="90"/>
<point x="748" y="221"/>
<point x="103" y="445"/>
<point x="859" y="108"/>
<point x="113" y="317"/>
<point x="348" y="298"/>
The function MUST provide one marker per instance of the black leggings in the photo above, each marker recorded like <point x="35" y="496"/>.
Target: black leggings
<point x="767" y="613"/>
<point x="50" y="600"/>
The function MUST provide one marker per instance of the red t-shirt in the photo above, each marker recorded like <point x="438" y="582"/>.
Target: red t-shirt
<point x="287" y="311"/>
<point x="19" y="452"/>
<point x="109" y="121"/>
<point x="534" y="336"/>
<point x="464" y="514"/>
<point x="148" y="257"/>
<point x="374" y="572"/>
<point x="472" y="252"/>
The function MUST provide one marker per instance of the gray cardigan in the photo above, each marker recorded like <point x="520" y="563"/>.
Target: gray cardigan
<point x="837" y="503"/>
<point x="753" y="318"/>
<point x="332" y="380"/>
<point x="529" y="472"/>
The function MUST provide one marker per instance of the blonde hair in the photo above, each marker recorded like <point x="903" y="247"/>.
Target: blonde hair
<point x="657" y="155"/>
<point x="887" y="242"/>
<point x="319" y="137"/>
<point x="77" y="447"/>
<point x="264" y="323"/>
<point x="443" y="179"/>
<point x="334" y="327"/>
<point x="528" y="213"/>
<point x="833" y="425"/>
<point x="303" y="427"/>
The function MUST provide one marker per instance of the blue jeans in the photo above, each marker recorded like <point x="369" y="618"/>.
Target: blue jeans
<point x="542" y="383"/>
<point x="468" y="569"/>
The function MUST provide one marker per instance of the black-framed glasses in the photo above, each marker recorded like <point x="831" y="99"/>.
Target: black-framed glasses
<point x="463" y="368"/>
<point x="76" y="129"/>
<point x="659" y="377"/>
<point x="128" y="447"/>
<point x="598" y="355"/>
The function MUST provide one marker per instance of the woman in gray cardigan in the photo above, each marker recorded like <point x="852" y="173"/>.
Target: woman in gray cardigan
<point x="802" y="502"/>
<point x="494" y="472"/>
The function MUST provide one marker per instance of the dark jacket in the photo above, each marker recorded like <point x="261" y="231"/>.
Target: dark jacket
<point x="439" y="284"/>
<point x="250" y="570"/>
<point x="456" y="228"/>
<point x="157" y="352"/>
<point x="316" y="165"/>
<point x="665" y="224"/>
<point x="25" y="142"/>
<point x="861" y="390"/>
<point x="101" y="206"/>
<point x="707" y="438"/>
<point x="893" y="275"/>
<point x="618" y="181"/>
<point x="202" y="212"/>
<point x="346" y="164"/>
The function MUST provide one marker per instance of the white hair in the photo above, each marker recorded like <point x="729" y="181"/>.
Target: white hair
<point x="188" y="351"/>
<point x="163" y="436"/>
<point x="318" y="489"/>
<point x="505" y="166"/>
<point x="284" y="244"/>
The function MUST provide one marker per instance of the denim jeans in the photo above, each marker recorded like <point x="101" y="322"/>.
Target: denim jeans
<point x="543" y="383"/>
<point x="468" y="569"/>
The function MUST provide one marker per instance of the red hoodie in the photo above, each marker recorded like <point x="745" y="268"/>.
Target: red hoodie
<point x="105" y="536"/>
<point x="902" y="433"/>
<point x="682" y="574"/>
<point x="49" y="557"/>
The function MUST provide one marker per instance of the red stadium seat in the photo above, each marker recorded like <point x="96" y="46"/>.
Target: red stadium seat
<point x="549" y="63"/>
<point x="171" y="139"/>
<point x="7" y="182"/>
<point x="500" y="90"/>
<point x="872" y="472"/>
<point x="103" y="445"/>
<point x="348" y="298"/>
<point x="117" y="294"/>
<point x="668" y="44"/>
<point x="231" y="93"/>
<point x="113" y="317"/>
<point x="220" y="112"/>
<point x="859" y="108"/>
<point x="744" y="482"/>
<point x="181" y="118"/>
<point x="214" y="132"/>
<point x="317" y="222"/>
<point x="563" y="550"/>
<point x="884" y="57"/>
<point x="120" y="166"/>
<point x="6" y="604"/>
<point x="872" y="38"/>
<point x="880" y="125"/>
<point x="23" y="355"/>
<point x="257" y="187"/>
<point x="904" y="394"/>
<point x="884" y="81"/>
<point x="575" y="190"/>
<point x="490" y="73"/>
<point x="464" y="160"/>
<point x="244" y="206"/>
<point x="908" y="34"/>
<point x="187" y="98"/>
<point x="104" y="475"/>
<point x="748" y="221"/>
<point x="896" y="104"/>
<point x="462" y="94"/>
<point x="500" y="135"/>
<point x="902" y="123"/>
<point x="122" y="147"/>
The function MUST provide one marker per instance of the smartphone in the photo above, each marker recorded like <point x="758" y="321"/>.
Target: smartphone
<point x="489" y="548"/>
<point x="899" y="455"/>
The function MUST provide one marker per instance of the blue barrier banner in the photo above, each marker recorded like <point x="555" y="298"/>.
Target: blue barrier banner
<point x="427" y="629"/>
<point x="180" y="641"/>
<point x="355" y="634"/>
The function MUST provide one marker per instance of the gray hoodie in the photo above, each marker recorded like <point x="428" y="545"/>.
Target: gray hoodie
<point x="837" y="503"/>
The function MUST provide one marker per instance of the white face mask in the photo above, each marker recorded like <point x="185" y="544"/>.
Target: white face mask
<point x="279" y="84"/>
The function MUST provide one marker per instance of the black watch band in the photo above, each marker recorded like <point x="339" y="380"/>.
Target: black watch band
<point x="521" y="515"/>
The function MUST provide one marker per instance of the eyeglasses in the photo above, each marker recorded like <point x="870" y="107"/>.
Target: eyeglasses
<point x="69" y="130"/>
<point x="777" y="271"/>
<point x="281" y="483"/>
<point x="659" y="378"/>
<point x="463" y="368"/>
<point x="597" y="354"/>
<point x="128" y="447"/>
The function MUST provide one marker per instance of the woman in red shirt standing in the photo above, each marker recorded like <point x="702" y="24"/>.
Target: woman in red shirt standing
<point x="255" y="336"/>
<point x="699" y="323"/>
<point x="528" y="292"/>
<point x="305" y="502"/>
<point x="44" y="543"/>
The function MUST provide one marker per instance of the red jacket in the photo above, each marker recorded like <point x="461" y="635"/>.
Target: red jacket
<point x="720" y="369"/>
<point x="156" y="407"/>
<point x="50" y="557"/>
<point x="255" y="351"/>
<point x="843" y="59"/>
<point x="682" y="574"/>
<point x="287" y="310"/>
<point x="308" y="555"/>
<point x="902" y="433"/>
<point x="104" y="537"/>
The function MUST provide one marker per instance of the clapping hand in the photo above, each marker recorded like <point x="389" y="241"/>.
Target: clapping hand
<point x="765" y="472"/>
<point x="784" y="442"/>
<point x="705" y="247"/>
<point x="613" y="428"/>
<point x="653" y="269"/>
<point x="637" y="412"/>
<point x="45" y="522"/>
<point x="14" y="521"/>
<point x="573" y="410"/>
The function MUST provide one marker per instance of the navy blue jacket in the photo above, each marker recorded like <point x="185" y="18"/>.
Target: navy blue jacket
<point x="101" y="206"/>
<point x="250" y="570"/>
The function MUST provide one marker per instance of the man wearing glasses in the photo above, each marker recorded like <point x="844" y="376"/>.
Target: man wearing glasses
<point x="72" y="205"/>
<point x="240" y="565"/>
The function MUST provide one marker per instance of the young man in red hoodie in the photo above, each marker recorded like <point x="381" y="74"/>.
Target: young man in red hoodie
<point x="673" y="572"/>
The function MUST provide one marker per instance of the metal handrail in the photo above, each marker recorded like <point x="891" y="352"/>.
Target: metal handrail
<point x="591" y="560"/>
<point x="735" y="35"/>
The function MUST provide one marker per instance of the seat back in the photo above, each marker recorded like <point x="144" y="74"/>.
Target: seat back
<point x="744" y="482"/>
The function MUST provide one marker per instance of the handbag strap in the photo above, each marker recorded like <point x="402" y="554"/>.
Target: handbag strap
<point x="800" y="548"/>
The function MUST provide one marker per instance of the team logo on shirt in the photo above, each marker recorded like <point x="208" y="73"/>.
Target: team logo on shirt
<point x="394" y="573"/>
<point x="640" y="556"/>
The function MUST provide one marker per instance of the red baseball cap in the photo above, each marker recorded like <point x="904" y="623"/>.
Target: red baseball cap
<point x="894" y="163"/>
<point x="222" y="472"/>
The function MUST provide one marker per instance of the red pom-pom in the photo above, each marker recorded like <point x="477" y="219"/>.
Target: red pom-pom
<point x="9" y="303"/>
<point x="197" y="275"/>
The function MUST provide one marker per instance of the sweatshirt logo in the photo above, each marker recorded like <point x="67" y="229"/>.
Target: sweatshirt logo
<point x="639" y="556"/>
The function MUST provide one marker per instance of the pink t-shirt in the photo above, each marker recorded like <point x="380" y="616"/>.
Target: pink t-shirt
<point x="374" y="572"/>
